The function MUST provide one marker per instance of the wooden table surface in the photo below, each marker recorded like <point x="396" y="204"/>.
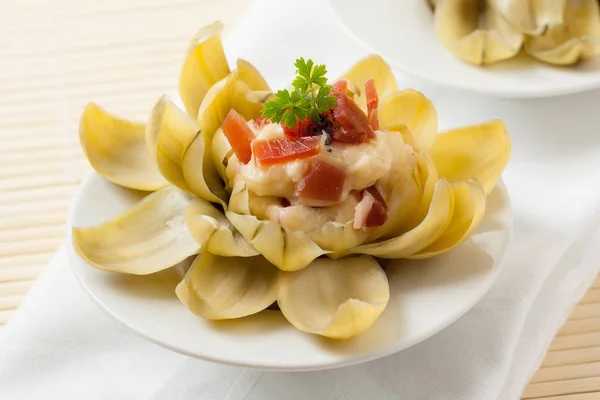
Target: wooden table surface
<point x="56" y="56"/>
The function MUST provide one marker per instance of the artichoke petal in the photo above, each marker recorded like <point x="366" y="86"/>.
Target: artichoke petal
<point x="204" y="66"/>
<point x="469" y="210"/>
<point x="427" y="175"/>
<point x="286" y="249"/>
<point x="228" y="287"/>
<point x="478" y="151"/>
<point x="199" y="171"/>
<point x="221" y="153"/>
<point x="169" y="133"/>
<point x="413" y="110"/>
<point x="427" y="232"/>
<point x="411" y="198"/>
<point x="338" y="237"/>
<point x="335" y="298"/>
<point x="117" y="150"/>
<point x="532" y="17"/>
<point x="475" y="32"/>
<point x="401" y="188"/>
<point x="214" y="232"/>
<point x="575" y="40"/>
<point x="371" y="67"/>
<point x="150" y="237"/>
<point x="252" y="76"/>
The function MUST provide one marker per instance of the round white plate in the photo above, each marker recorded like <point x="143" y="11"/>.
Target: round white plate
<point x="402" y="32"/>
<point x="426" y="297"/>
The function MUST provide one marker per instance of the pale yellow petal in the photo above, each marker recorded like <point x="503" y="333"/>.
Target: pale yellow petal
<point x="401" y="188"/>
<point x="116" y="149"/>
<point x="204" y="66"/>
<point x="371" y="67"/>
<point x="214" y="232"/>
<point x="150" y="237"/>
<point x="221" y="152"/>
<point x="413" y="110"/>
<point x="427" y="232"/>
<point x="199" y="170"/>
<point x="532" y="17"/>
<point x="335" y="298"/>
<point x="228" y="287"/>
<point x="411" y="197"/>
<point x="475" y="32"/>
<point x="169" y="133"/>
<point x="288" y="250"/>
<point x="469" y="210"/>
<point x="576" y="40"/>
<point x="239" y="201"/>
<point x="338" y="237"/>
<point x="252" y="76"/>
<point x="478" y="151"/>
<point x="427" y="174"/>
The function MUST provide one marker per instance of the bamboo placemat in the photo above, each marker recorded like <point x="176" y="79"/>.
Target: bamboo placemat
<point x="57" y="55"/>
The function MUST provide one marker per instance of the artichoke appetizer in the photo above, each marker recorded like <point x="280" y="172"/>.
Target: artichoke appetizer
<point x="295" y="197"/>
<point x="561" y="32"/>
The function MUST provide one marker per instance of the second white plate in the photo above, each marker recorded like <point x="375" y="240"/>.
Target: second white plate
<point x="402" y="32"/>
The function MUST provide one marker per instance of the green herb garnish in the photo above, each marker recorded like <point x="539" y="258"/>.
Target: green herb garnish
<point x="310" y="98"/>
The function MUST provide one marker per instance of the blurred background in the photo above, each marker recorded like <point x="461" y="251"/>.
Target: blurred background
<point x="55" y="56"/>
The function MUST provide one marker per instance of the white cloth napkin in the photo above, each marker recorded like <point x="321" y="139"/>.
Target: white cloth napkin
<point x="60" y="346"/>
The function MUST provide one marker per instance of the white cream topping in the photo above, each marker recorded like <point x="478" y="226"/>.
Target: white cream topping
<point x="300" y="217"/>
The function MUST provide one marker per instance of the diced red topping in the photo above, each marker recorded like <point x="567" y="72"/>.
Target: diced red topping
<point x="340" y="86"/>
<point x="323" y="182"/>
<point x="372" y="103"/>
<point x="371" y="93"/>
<point x="285" y="202"/>
<point x="378" y="213"/>
<point x="298" y="130"/>
<point x="281" y="150"/>
<point x="374" y="119"/>
<point x="239" y="134"/>
<point x="352" y="125"/>
<point x="260" y="122"/>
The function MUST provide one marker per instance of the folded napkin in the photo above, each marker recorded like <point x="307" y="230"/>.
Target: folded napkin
<point x="60" y="346"/>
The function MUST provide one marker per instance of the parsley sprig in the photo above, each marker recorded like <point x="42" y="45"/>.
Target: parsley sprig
<point x="310" y="97"/>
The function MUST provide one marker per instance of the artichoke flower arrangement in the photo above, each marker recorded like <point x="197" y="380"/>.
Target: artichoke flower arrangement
<point x="561" y="32"/>
<point x="294" y="198"/>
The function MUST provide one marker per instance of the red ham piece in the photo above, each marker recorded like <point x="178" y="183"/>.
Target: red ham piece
<point x="340" y="86"/>
<point x="378" y="214"/>
<point x="323" y="182"/>
<point x="351" y="124"/>
<point x="239" y="134"/>
<point x="298" y="130"/>
<point x="281" y="150"/>
<point x="371" y="210"/>
<point x="372" y="103"/>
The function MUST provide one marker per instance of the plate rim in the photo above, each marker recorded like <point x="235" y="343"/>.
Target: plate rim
<point x="449" y="84"/>
<point x="74" y="258"/>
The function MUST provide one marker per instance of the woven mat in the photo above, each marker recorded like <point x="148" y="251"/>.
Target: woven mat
<point x="57" y="55"/>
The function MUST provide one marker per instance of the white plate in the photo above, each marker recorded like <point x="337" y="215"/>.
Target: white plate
<point x="426" y="297"/>
<point x="401" y="31"/>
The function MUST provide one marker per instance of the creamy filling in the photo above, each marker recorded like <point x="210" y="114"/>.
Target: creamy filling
<point x="299" y="217"/>
<point x="364" y="164"/>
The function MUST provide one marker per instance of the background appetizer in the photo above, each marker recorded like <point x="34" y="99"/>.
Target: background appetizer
<point x="561" y="32"/>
